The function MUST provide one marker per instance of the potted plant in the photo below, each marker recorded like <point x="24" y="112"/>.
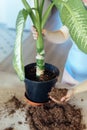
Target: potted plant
<point x="74" y="16"/>
<point x="39" y="77"/>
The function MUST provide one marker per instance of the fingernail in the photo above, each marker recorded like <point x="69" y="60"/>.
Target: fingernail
<point x="62" y="100"/>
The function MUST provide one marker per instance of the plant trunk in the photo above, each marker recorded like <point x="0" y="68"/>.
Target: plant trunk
<point x="40" y="56"/>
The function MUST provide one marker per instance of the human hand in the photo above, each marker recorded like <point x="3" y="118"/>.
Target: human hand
<point x="85" y="2"/>
<point x="35" y="33"/>
<point x="65" y="98"/>
<point x="68" y="96"/>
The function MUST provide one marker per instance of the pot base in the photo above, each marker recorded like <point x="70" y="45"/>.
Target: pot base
<point x="31" y="102"/>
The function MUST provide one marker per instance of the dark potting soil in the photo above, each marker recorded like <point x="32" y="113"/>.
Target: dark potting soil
<point x="10" y="128"/>
<point x="14" y="104"/>
<point x="49" y="116"/>
<point x="52" y="116"/>
<point x="58" y="93"/>
<point x="48" y="75"/>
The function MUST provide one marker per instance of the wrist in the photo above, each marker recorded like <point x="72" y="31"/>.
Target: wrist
<point x="65" y="31"/>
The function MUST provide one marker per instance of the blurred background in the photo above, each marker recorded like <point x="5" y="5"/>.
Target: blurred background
<point x="8" y="14"/>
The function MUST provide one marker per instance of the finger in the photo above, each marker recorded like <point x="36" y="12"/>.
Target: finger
<point x="34" y="31"/>
<point x="44" y="31"/>
<point x="65" y="98"/>
<point x="35" y="36"/>
<point x="53" y="99"/>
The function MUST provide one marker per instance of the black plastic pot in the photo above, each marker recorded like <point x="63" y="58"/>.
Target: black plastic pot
<point x="37" y="91"/>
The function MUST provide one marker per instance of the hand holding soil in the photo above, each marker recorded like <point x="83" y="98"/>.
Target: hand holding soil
<point x="60" y="96"/>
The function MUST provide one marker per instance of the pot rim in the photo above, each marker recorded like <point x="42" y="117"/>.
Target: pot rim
<point x="55" y="78"/>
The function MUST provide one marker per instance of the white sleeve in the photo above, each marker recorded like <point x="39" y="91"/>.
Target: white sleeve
<point x="65" y="31"/>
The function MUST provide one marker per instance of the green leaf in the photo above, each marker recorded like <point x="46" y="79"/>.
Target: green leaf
<point x="74" y="16"/>
<point x="46" y="14"/>
<point x="36" y="4"/>
<point x="27" y="6"/>
<point x="29" y="10"/>
<point x="17" y="59"/>
<point x="41" y="8"/>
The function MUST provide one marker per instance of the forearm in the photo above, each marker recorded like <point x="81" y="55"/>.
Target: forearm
<point x="81" y="87"/>
<point x="57" y="37"/>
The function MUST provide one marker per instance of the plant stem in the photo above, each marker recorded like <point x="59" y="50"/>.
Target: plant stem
<point x="40" y="56"/>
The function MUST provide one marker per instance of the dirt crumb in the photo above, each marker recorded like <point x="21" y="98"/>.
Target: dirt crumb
<point x="82" y="100"/>
<point x="10" y="128"/>
<point x="14" y="104"/>
<point x="19" y="122"/>
<point x="17" y="104"/>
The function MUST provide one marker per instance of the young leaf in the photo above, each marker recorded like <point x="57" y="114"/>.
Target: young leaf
<point x="46" y="14"/>
<point x="17" y="59"/>
<point x="41" y="8"/>
<point x="27" y="6"/>
<point x="36" y="4"/>
<point x="36" y="7"/>
<point x="29" y="10"/>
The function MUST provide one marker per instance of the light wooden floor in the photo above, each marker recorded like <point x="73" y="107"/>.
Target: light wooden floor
<point x="55" y="54"/>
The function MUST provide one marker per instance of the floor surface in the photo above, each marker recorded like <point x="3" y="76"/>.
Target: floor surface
<point x="7" y="39"/>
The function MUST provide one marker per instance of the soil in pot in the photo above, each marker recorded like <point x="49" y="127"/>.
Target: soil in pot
<point x="48" y="75"/>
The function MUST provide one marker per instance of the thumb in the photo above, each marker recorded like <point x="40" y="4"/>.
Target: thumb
<point x="44" y="32"/>
<point x="65" y="98"/>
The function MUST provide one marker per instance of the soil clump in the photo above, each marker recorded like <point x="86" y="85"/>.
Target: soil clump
<point x="58" y="93"/>
<point x="10" y="128"/>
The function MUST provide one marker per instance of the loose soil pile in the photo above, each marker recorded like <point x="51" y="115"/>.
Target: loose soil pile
<point x="49" y="116"/>
<point x="52" y="116"/>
